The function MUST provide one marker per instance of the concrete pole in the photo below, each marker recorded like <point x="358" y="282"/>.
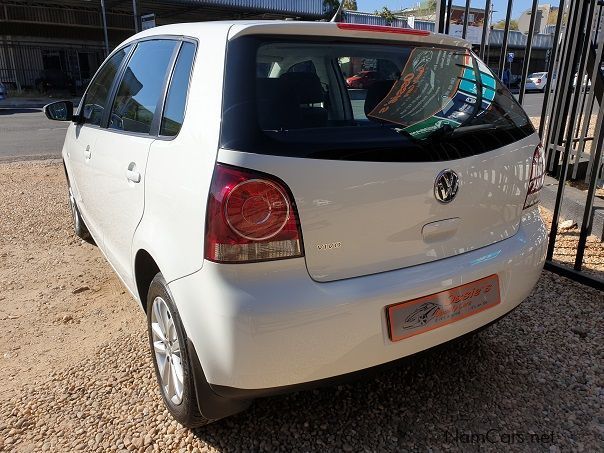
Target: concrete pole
<point x="104" y="16"/>
<point x="135" y="13"/>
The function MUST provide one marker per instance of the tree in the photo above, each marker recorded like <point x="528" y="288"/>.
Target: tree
<point x="501" y="25"/>
<point x="386" y="14"/>
<point x="427" y="8"/>
<point x="350" y="5"/>
<point x="331" y="5"/>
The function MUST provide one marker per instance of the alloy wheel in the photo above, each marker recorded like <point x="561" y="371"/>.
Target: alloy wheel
<point x="166" y="348"/>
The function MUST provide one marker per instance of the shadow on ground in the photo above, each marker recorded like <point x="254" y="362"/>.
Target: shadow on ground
<point x="14" y="111"/>
<point x="507" y="387"/>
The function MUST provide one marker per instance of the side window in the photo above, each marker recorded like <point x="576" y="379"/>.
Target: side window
<point x="141" y="86"/>
<point x="98" y="92"/>
<point x="176" y="100"/>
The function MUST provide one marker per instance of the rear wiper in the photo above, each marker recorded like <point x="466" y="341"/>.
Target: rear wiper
<point x="474" y="128"/>
<point x="403" y="132"/>
<point x="446" y="130"/>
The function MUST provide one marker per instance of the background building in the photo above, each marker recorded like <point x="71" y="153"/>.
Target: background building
<point x="59" y="44"/>
<point x="546" y="15"/>
<point x="475" y="16"/>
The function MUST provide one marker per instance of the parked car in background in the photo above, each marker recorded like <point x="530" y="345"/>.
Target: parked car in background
<point x="363" y="79"/>
<point x="537" y="81"/>
<point x="274" y="236"/>
<point x="3" y="91"/>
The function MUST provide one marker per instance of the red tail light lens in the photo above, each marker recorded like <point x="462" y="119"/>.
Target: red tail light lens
<point x="536" y="179"/>
<point x="250" y="217"/>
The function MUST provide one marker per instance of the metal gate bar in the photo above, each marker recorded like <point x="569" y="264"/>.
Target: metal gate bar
<point x="561" y="101"/>
<point x="566" y="114"/>
<point x="570" y="115"/>
<point x="527" y="51"/>
<point x="550" y="74"/>
<point x="578" y="36"/>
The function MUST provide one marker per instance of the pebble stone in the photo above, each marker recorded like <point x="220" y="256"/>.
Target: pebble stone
<point x="532" y="382"/>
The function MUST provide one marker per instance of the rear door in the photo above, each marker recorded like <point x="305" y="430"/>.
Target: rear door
<point x="122" y="148"/>
<point x="433" y="160"/>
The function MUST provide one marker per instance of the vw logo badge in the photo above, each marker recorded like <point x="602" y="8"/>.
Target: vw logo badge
<point x="446" y="186"/>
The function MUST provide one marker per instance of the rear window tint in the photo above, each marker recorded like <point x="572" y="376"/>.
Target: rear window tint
<point x="361" y="101"/>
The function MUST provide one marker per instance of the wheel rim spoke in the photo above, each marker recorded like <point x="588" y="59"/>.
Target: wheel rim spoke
<point x="160" y="348"/>
<point x="176" y="348"/>
<point x="157" y="332"/>
<point x="166" y="347"/>
<point x="178" y="371"/>
<point x="169" y="385"/>
<point x="174" y="383"/>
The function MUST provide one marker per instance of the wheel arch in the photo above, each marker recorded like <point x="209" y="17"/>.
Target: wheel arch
<point x="145" y="269"/>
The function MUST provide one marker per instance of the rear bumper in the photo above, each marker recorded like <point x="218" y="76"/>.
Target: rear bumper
<point x="267" y="325"/>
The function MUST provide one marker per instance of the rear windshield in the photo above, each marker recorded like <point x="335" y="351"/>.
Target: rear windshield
<point x="363" y="101"/>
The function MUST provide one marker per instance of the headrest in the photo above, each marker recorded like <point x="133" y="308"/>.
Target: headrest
<point x="306" y="86"/>
<point x="375" y="93"/>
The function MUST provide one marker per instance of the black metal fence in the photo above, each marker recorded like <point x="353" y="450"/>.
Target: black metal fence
<point x="572" y="115"/>
<point x="45" y="67"/>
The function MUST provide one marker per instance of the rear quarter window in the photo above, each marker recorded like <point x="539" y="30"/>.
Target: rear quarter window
<point x="176" y="100"/>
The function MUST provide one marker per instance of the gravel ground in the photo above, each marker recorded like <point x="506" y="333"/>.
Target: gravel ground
<point x="566" y="247"/>
<point x="78" y="376"/>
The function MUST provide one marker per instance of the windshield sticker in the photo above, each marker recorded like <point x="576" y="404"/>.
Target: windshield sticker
<point x="437" y="87"/>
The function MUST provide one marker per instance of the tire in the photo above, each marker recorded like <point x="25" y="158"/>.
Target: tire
<point x="79" y="226"/>
<point x="180" y="402"/>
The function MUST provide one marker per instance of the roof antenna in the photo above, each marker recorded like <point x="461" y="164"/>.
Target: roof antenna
<point x="338" y="12"/>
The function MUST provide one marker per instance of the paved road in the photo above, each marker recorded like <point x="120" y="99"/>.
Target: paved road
<point x="533" y="103"/>
<point x="27" y="133"/>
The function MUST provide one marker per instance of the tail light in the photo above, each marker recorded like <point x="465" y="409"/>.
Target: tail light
<point x="250" y="217"/>
<point x="536" y="179"/>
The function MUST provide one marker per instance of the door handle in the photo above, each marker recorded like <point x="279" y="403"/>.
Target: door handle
<point x="87" y="153"/>
<point x="133" y="175"/>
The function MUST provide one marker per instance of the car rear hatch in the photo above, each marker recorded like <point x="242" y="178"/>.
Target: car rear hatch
<point x="431" y="161"/>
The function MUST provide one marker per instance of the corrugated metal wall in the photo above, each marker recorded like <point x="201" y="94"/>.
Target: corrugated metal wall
<point x="307" y="7"/>
<point x="424" y="25"/>
<point x="85" y="16"/>
<point x="517" y="39"/>
<point x="357" y="17"/>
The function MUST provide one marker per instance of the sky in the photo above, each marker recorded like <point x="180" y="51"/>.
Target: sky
<point x="499" y="6"/>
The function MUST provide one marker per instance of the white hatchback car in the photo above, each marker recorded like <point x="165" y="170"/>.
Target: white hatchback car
<point x="279" y="232"/>
<point x="536" y="81"/>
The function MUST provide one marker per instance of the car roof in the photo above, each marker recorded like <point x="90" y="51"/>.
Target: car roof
<point x="235" y="29"/>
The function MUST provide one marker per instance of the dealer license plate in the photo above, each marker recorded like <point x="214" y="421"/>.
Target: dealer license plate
<point x="406" y="319"/>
